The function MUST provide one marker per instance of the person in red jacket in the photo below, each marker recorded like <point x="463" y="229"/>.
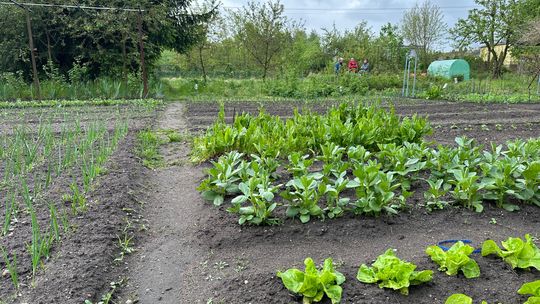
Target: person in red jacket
<point x="353" y="66"/>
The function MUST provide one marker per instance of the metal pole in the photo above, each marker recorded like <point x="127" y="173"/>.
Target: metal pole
<point x="33" y="54"/>
<point x="414" y="82"/>
<point x="404" y="77"/>
<point x="408" y="75"/>
<point x="538" y="88"/>
<point x="141" y="51"/>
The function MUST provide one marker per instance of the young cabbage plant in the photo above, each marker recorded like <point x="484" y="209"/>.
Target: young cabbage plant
<point x="260" y="194"/>
<point x="468" y="152"/>
<point x="455" y="259"/>
<point x="434" y="195"/>
<point x="499" y="181"/>
<point x="358" y="155"/>
<point x="303" y="196"/>
<point x="533" y="289"/>
<point x="374" y="190"/>
<point x="517" y="252"/>
<point x="391" y="272"/>
<point x="528" y="187"/>
<point x="331" y="153"/>
<point x="222" y="178"/>
<point x="267" y="164"/>
<point x="299" y="164"/>
<point x="314" y="284"/>
<point x="335" y="205"/>
<point x="467" y="189"/>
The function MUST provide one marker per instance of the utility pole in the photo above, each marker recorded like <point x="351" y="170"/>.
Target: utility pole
<point x="141" y="51"/>
<point x="32" y="49"/>
<point x="33" y="55"/>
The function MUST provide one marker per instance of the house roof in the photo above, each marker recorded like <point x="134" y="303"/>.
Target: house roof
<point x="532" y="36"/>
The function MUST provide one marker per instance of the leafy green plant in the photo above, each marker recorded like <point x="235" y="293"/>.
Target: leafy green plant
<point x="528" y="185"/>
<point x="459" y="298"/>
<point x="466" y="188"/>
<point x="335" y="205"/>
<point x="299" y="164"/>
<point x="533" y="289"/>
<point x="314" y="284"/>
<point x="260" y="193"/>
<point x="433" y="196"/>
<point x="391" y="272"/>
<point x="303" y="196"/>
<point x="345" y="126"/>
<point x="517" y="252"/>
<point x="499" y="180"/>
<point x="434" y="92"/>
<point x="374" y="190"/>
<point x="222" y="178"/>
<point x="455" y="259"/>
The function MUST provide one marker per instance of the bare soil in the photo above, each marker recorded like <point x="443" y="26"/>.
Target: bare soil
<point x="190" y="252"/>
<point x="195" y="253"/>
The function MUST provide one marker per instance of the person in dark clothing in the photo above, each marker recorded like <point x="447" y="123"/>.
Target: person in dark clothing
<point x="338" y="65"/>
<point x="365" y="66"/>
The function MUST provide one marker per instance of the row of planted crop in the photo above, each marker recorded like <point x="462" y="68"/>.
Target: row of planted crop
<point x="78" y="151"/>
<point x="391" y="272"/>
<point x="364" y="182"/>
<point x="345" y="125"/>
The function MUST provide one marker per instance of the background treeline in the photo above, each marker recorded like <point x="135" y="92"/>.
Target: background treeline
<point x="82" y="44"/>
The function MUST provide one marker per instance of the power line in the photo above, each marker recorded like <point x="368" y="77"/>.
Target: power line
<point x="357" y="9"/>
<point x="101" y="8"/>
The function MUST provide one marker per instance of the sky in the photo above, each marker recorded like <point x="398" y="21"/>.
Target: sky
<point x="346" y="14"/>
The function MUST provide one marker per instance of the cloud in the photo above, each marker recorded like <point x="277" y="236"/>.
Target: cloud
<point x="318" y="14"/>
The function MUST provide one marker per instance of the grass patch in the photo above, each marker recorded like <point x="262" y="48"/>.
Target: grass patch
<point x="149" y="142"/>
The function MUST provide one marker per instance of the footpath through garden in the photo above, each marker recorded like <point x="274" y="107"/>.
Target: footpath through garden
<point x="192" y="252"/>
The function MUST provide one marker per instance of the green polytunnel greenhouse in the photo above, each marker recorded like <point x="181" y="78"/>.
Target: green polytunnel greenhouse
<point x="450" y="69"/>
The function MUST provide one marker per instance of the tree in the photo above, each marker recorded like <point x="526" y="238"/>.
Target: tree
<point x="389" y="48"/>
<point x="423" y="27"/>
<point x="103" y="41"/>
<point x="263" y="30"/>
<point x="495" y="23"/>
<point x="208" y="33"/>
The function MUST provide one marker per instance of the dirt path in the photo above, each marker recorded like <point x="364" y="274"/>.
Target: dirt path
<point x="158" y="269"/>
<point x="194" y="253"/>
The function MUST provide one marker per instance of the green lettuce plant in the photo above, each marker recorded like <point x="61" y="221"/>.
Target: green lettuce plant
<point x="517" y="252"/>
<point x="459" y="298"/>
<point x="391" y="272"/>
<point x="531" y="288"/>
<point x="455" y="259"/>
<point x="312" y="283"/>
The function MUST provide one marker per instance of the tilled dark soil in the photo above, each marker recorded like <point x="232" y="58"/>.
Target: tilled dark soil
<point x="188" y="251"/>
<point x="196" y="253"/>
<point x="81" y="265"/>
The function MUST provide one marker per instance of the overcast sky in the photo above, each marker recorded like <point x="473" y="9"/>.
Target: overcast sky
<point x="346" y="14"/>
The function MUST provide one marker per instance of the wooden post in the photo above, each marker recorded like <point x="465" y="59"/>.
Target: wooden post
<point x="32" y="54"/>
<point x="141" y="51"/>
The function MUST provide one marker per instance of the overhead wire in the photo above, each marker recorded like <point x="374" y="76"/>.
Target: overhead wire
<point x="83" y="7"/>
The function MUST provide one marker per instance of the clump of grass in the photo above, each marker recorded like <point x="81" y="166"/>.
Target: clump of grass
<point x="148" y="143"/>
